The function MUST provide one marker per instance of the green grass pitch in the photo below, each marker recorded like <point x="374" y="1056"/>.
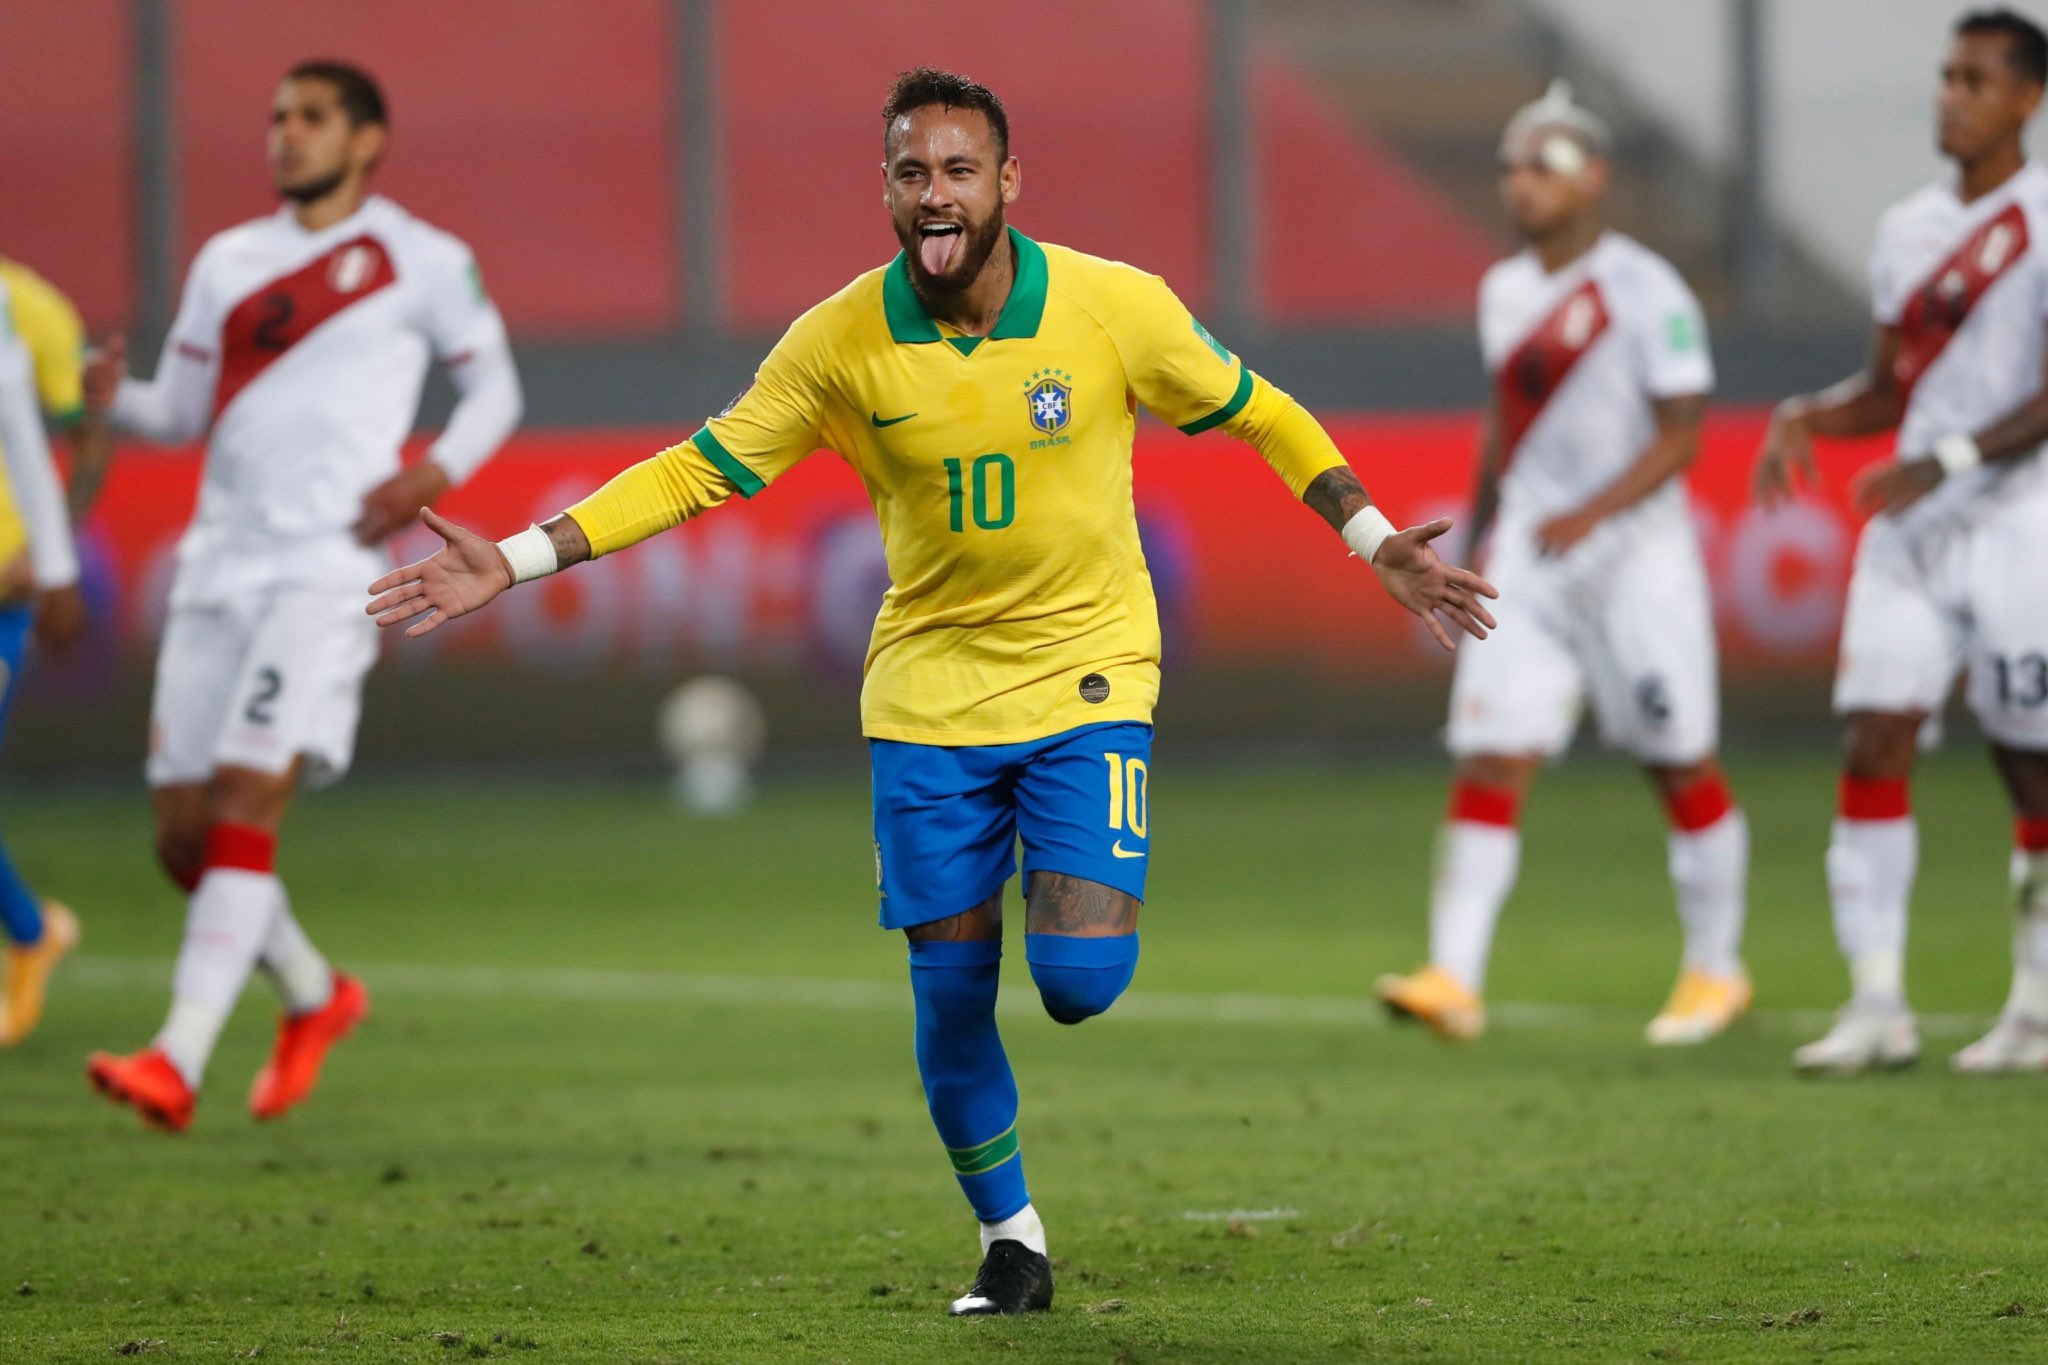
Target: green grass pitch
<point x="638" y="1088"/>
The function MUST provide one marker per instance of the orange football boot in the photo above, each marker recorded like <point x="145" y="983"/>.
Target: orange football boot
<point x="28" y="972"/>
<point x="302" y="1043"/>
<point x="1434" y="997"/>
<point x="146" y="1083"/>
<point x="1701" y="1005"/>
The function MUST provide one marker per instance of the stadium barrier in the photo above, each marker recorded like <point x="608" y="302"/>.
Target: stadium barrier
<point x="1262" y="612"/>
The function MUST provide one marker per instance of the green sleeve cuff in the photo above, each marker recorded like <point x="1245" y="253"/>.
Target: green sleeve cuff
<point x="1228" y="410"/>
<point x="743" y="478"/>
<point x="66" y="419"/>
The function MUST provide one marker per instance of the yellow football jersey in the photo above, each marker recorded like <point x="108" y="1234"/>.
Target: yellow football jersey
<point x="55" y="337"/>
<point x="1000" y="470"/>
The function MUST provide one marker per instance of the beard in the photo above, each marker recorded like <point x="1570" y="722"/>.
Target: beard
<point x="978" y="242"/>
<point x="312" y="191"/>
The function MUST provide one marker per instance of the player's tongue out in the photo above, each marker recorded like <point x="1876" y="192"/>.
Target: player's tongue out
<point x="938" y="245"/>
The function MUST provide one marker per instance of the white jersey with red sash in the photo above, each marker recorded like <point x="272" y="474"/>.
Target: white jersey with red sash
<point x="1966" y="285"/>
<point x="302" y="355"/>
<point x="1577" y="358"/>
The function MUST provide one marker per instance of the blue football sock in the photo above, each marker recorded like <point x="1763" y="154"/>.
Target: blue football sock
<point x="1079" y="978"/>
<point x="20" y="912"/>
<point x="967" y="1080"/>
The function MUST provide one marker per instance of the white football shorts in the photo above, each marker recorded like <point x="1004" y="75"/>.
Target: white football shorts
<point x="257" y="682"/>
<point x="1629" y="626"/>
<point x="1926" y="606"/>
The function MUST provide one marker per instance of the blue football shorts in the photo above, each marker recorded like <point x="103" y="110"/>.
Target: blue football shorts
<point x="948" y="818"/>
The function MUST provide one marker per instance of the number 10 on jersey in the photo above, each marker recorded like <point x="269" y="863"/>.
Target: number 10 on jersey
<point x="993" y="480"/>
<point x="1127" y="781"/>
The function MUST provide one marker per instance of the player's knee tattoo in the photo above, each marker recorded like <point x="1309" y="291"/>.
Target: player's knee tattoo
<point x="1060" y="904"/>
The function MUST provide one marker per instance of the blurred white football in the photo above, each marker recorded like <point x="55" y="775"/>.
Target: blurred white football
<point x="712" y="729"/>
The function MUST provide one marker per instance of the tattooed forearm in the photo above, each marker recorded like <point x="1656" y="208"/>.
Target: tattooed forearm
<point x="1078" y="908"/>
<point x="571" y="545"/>
<point x="1337" y="496"/>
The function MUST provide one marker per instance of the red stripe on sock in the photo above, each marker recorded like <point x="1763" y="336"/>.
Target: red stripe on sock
<point x="2030" y="833"/>
<point x="1874" y="798"/>
<point x="241" y="846"/>
<point x="1477" y="804"/>
<point x="1700" y="805"/>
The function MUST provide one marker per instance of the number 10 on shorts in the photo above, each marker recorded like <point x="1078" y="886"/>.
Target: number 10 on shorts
<point x="1127" y="779"/>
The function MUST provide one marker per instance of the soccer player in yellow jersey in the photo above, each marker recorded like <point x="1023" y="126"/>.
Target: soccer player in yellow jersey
<point x="43" y="343"/>
<point x="985" y="388"/>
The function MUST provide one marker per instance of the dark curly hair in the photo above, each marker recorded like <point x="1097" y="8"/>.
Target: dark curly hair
<point x="927" y="85"/>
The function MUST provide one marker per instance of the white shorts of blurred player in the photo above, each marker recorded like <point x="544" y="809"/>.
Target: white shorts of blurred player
<point x="257" y="682"/>
<point x="1926" y="606"/>
<point x="1624" y="620"/>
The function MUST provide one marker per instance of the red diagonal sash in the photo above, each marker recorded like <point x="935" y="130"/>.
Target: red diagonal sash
<point x="1537" y="368"/>
<point x="1935" y="311"/>
<point x="279" y="315"/>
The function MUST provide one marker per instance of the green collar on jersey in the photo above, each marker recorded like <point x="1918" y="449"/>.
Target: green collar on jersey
<point x="911" y="325"/>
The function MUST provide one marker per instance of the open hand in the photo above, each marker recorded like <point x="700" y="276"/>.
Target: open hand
<point x="1894" y="485"/>
<point x="460" y="577"/>
<point x="1784" y="462"/>
<point x="395" y="503"/>
<point x="1415" y="577"/>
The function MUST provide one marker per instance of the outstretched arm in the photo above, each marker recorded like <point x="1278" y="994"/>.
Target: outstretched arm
<point x="766" y="430"/>
<point x="468" y="572"/>
<point x="1302" y="454"/>
<point x="1187" y="377"/>
<point x="1408" y="568"/>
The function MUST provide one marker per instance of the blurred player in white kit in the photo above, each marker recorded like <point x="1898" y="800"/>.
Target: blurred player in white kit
<point x="1951" y="575"/>
<point x="1598" y="356"/>
<point x="299" y="350"/>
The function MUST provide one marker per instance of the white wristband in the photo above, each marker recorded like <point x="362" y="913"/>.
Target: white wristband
<point x="530" y="553"/>
<point x="1957" y="454"/>
<point x="1366" y="532"/>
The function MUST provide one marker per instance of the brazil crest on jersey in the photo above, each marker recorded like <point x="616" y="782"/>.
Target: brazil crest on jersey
<point x="1000" y="470"/>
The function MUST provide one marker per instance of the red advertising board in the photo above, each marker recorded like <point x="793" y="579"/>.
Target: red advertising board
<point x="1243" y="572"/>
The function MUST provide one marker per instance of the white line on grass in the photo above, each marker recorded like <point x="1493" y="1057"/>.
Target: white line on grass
<point x="1238" y="1215"/>
<point x="701" y="988"/>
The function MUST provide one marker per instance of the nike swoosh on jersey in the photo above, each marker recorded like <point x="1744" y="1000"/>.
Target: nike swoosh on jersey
<point x="1117" y="849"/>
<point x="881" y="421"/>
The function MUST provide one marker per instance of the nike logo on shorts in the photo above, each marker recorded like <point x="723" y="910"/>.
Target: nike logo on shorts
<point x="1117" y="849"/>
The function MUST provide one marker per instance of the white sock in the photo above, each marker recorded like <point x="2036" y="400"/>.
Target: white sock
<point x="225" y="923"/>
<point x="2029" y="934"/>
<point x="1021" y="1226"/>
<point x="1475" y="870"/>
<point x="304" y="980"/>
<point x="1870" y="880"/>
<point x="1710" y="873"/>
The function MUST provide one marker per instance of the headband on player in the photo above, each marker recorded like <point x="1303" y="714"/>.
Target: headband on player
<point x="1583" y="130"/>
